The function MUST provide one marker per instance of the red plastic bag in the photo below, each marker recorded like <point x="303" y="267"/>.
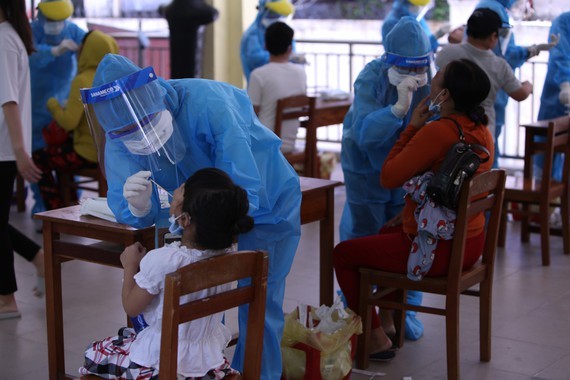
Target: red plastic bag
<point x="54" y="135"/>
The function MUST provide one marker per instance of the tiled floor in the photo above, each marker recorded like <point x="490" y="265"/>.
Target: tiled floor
<point x="531" y="315"/>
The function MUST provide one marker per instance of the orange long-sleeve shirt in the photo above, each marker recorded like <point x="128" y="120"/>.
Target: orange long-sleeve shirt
<point x="423" y="149"/>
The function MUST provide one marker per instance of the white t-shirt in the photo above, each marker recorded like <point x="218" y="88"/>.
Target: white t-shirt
<point x="497" y="69"/>
<point x="200" y="342"/>
<point x="14" y="87"/>
<point x="271" y="82"/>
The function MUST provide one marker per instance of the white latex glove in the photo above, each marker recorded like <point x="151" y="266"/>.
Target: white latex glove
<point x="65" y="46"/>
<point x="406" y="90"/>
<point x="534" y="50"/>
<point x="564" y="95"/>
<point x="137" y="191"/>
<point x="442" y="31"/>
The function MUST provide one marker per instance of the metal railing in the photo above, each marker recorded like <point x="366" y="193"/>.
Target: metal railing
<point x="336" y="65"/>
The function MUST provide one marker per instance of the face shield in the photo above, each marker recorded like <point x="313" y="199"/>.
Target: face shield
<point x="504" y="38"/>
<point x="130" y="111"/>
<point x="403" y="67"/>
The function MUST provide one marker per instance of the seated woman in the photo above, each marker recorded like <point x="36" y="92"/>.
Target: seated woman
<point x="79" y="151"/>
<point x="456" y="93"/>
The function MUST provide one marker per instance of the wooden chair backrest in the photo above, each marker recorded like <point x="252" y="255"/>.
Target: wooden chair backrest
<point x="482" y="193"/>
<point x="293" y="107"/>
<point x="206" y="274"/>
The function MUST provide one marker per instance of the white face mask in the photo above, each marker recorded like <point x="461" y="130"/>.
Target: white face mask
<point x="435" y="107"/>
<point x="53" y="27"/>
<point x="154" y="136"/>
<point x="395" y="77"/>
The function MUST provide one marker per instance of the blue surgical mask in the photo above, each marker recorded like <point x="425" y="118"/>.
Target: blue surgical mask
<point x="435" y="107"/>
<point x="175" y="228"/>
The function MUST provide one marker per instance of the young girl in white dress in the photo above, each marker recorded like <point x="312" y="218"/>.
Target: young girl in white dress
<point x="211" y="211"/>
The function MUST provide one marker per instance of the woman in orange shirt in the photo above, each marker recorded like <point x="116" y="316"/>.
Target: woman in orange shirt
<point x="456" y="93"/>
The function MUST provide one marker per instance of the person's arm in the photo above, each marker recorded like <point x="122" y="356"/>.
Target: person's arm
<point x="416" y="151"/>
<point x="70" y="116"/>
<point x="135" y="299"/>
<point x="26" y="166"/>
<point x="522" y="92"/>
<point x="255" y="91"/>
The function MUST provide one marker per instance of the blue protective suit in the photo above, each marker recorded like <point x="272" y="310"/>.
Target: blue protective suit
<point x="515" y="55"/>
<point x="220" y="129"/>
<point x="50" y="76"/>
<point x="401" y="8"/>
<point x="252" y="46"/>
<point x="558" y="72"/>
<point x="370" y="130"/>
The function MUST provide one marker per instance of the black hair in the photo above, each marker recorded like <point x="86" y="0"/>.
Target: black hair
<point x="278" y="38"/>
<point x="483" y="23"/>
<point x="218" y="208"/>
<point x="15" y="13"/>
<point x="468" y="86"/>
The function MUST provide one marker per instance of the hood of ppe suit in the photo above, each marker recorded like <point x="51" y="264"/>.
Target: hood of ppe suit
<point x="94" y="48"/>
<point x="56" y="10"/>
<point x="282" y="7"/>
<point x="153" y="97"/>
<point x="496" y="7"/>
<point x="407" y="39"/>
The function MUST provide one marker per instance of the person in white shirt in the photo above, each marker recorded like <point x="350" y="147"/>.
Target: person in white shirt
<point x="15" y="135"/>
<point x="276" y="80"/>
<point x="211" y="212"/>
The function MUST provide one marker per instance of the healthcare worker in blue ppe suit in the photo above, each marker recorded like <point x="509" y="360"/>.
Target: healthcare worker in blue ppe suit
<point x="52" y="67"/>
<point x="252" y="47"/>
<point x="555" y="99"/>
<point x="167" y="130"/>
<point x="514" y="54"/>
<point x="412" y="8"/>
<point x="385" y="94"/>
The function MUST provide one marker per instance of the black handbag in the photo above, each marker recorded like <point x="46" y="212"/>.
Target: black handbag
<point x="460" y="163"/>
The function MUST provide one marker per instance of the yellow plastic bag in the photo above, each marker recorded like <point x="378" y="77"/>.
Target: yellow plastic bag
<point x="328" y="330"/>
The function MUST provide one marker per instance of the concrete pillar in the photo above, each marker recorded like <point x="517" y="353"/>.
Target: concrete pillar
<point x="222" y="43"/>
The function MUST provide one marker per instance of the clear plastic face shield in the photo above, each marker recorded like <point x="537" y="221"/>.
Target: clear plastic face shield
<point x="130" y="111"/>
<point x="402" y="67"/>
<point x="420" y="8"/>
<point x="504" y="38"/>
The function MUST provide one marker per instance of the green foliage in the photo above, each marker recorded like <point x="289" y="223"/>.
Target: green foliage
<point x="363" y="9"/>
<point x="440" y="11"/>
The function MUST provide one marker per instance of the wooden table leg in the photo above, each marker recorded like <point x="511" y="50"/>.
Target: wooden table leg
<point x="54" y="313"/>
<point x="311" y="150"/>
<point x="326" y="225"/>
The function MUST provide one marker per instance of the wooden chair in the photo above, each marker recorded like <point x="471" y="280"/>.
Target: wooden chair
<point x="293" y="108"/>
<point x="206" y="274"/>
<point x="90" y="179"/>
<point x="484" y="192"/>
<point x="528" y="191"/>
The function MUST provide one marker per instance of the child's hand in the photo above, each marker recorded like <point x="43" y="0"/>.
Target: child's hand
<point x="421" y="114"/>
<point x="132" y="256"/>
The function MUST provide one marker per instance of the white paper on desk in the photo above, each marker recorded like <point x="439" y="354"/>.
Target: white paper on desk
<point x="334" y="94"/>
<point x="97" y="207"/>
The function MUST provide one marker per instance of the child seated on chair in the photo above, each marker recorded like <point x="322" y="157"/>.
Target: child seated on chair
<point x="211" y="211"/>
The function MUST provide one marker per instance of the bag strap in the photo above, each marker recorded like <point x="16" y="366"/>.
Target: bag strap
<point x="462" y="139"/>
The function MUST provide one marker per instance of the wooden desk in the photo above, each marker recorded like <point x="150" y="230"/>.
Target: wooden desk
<point x="326" y="113"/>
<point x="317" y="205"/>
<point x="532" y="130"/>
